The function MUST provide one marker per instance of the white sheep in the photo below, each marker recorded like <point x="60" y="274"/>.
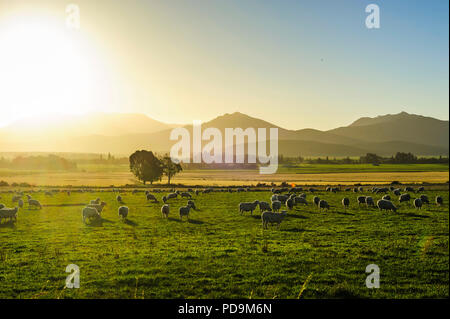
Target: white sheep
<point x="276" y="205"/>
<point x="165" y="211"/>
<point x="123" y="212"/>
<point x="418" y="203"/>
<point x="186" y="194"/>
<point x="98" y="207"/>
<point x="34" y="202"/>
<point x="191" y="204"/>
<point x="386" y="205"/>
<point x="272" y="218"/>
<point x="9" y="213"/>
<point x="151" y="197"/>
<point x="345" y="202"/>
<point x="184" y="211"/>
<point x="90" y="212"/>
<point x="248" y="207"/>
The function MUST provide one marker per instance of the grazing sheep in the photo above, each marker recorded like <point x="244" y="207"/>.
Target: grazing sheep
<point x="386" y="205"/>
<point x="302" y="195"/>
<point x="90" y="212"/>
<point x="382" y="190"/>
<point x="283" y="198"/>
<point x="323" y="204"/>
<point x="191" y="204"/>
<point x="16" y="198"/>
<point x="345" y="202"/>
<point x="355" y="190"/>
<point x="248" y="207"/>
<point x="361" y="200"/>
<point x="396" y="192"/>
<point x="165" y="211"/>
<point x="289" y="203"/>
<point x="300" y="200"/>
<point x="28" y="197"/>
<point x="312" y="190"/>
<point x="316" y="200"/>
<point x="9" y="213"/>
<point x="439" y="201"/>
<point x="274" y="198"/>
<point x="34" y="202"/>
<point x="164" y="199"/>
<point x="197" y="192"/>
<point x="369" y="201"/>
<point x="361" y="189"/>
<point x="424" y="199"/>
<point x="123" y="212"/>
<point x="119" y="198"/>
<point x="272" y="218"/>
<point x="276" y="205"/>
<point x="404" y="198"/>
<point x="151" y="197"/>
<point x="264" y="206"/>
<point x="409" y="189"/>
<point x="20" y="203"/>
<point x="184" y="211"/>
<point x="171" y="195"/>
<point x="187" y="195"/>
<point x="421" y="189"/>
<point x="98" y="207"/>
<point x="386" y="197"/>
<point x="418" y="203"/>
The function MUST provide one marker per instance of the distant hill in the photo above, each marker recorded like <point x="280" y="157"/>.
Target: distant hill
<point x="124" y="133"/>
<point x="399" y="127"/>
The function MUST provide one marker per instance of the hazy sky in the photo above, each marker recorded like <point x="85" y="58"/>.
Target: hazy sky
<point x="297" y="64"/>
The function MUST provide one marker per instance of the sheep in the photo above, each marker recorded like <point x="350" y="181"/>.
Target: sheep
<point x="123" y="212"/>
<point x="323" y="204"/>
<point x="187" y="195"/>
<point x="369" y="201"/>
<point x="300" y="200"/>
<point x="276" y="205"/>
<point x="361" y="189"/>
<point x="409" y="189"/>
<point x="90" y="212"/>
<point x="396" y="192"/>
<point x="418" y="203"/>
<point x="274" y="198"/>
<point x="197" y="192"/>
<point x="421" y="189"/>
<point x="348" y="189"/>
<point x="361" y="200"/>
<point x="264" y="206"/>
<point x="316" y="200"/>
<point x="184" y="211"/>
<point x="9" y="213"/>
<point x="424" y="199"/>
<point x="386" y="197"/>
<point x="382" y="190"/>
<point x="272" y="218"/>
<point x="119" y="198"/>
<point x="386" y="205"/>
<point x="151" y="197"/>
<point x="345" y="202"/>
<point x="165" y="211"/>
<point x="282" y="198"/>
<point x="95" y="202"/>
<point x="16" y="198"/>
<point x="98" y="207"/>
<point x="289" y="203"/>
<point x="302" y="195"/>
<point x="355" y="190"/>
<point x="28" y="197"/>
<point x="34" y="202"/>
<point x="404" y="198"/>
<point x="248" y="207"/>
<point x="439" y="201"/>
<point x="20" y="203"/>
<point x="191" y="204"/>
<point x="171" y="195"/>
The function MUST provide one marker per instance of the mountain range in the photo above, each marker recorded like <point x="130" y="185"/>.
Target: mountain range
<point x="122" y="134"/>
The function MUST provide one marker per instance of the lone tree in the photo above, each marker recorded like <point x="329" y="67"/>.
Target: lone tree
<point x="146" y="166"/>
<point x="170" y="168"/>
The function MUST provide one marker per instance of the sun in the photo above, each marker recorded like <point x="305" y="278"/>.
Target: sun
<point x="44" y="68"/>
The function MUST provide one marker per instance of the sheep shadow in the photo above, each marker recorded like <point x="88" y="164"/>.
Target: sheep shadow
<point x="345" y="213"/>
<point x="416" y="215"/>
<point x="98" y="222"/>
<point x="130" y="222"/>
<point x="173" y="219"/>
<point x="297" y="216"/>
<point x="296" y="230"/>
<point x="9" y="224"/>
<point x="195" y="221"/>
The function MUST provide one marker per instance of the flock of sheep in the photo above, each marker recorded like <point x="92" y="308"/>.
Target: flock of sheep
<point x="270" y="212"/>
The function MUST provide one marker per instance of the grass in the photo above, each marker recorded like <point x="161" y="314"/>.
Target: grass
<point x="221" y="254"/>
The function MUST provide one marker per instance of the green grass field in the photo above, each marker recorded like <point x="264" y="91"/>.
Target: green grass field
<point x="221" y="254"/>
